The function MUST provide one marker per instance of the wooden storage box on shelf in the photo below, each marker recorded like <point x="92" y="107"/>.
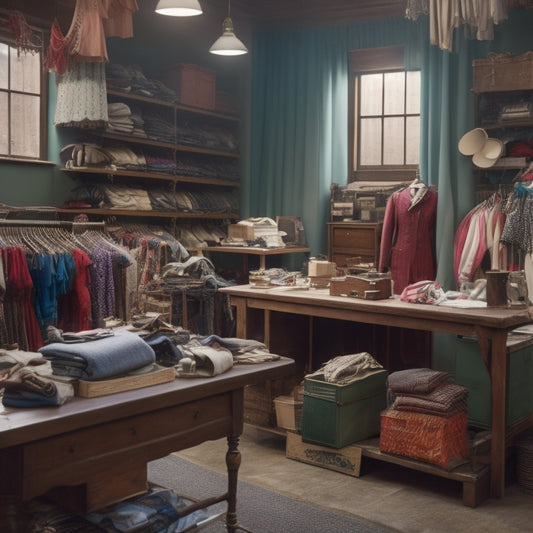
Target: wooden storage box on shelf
<point x="501" y="72"/>
<point x="194" y="85"/>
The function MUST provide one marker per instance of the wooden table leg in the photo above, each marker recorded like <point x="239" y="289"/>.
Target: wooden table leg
<point x="233" y="462"/>
<point x="262" y="262"/>
<point x="498" y="373"/>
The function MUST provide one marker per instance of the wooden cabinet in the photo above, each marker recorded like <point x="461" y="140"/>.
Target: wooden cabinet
<point x="354" y="239"/>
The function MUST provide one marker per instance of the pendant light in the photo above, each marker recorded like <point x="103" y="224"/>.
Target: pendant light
<point x="178" y="8"/>
<point x="228" y="44"/>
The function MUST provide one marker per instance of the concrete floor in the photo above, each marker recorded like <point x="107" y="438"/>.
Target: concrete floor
<point x="394" y="497"/>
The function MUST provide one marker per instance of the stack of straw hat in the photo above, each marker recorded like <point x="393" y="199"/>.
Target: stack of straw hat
<point x="485" y="151"/>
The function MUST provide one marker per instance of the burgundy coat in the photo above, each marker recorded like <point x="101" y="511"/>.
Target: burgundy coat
<point x="408" y="239"/>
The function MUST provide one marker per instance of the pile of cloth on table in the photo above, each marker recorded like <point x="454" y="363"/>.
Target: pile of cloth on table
<point x="27" y="381"/>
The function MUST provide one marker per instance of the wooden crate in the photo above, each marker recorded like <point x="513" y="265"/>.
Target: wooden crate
<point x="502" y="72"/>
<point x="194" y="85"/>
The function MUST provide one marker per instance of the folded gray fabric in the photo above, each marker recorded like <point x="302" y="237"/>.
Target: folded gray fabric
<point x="99" y="359"/>
<point x="417" y="380"/>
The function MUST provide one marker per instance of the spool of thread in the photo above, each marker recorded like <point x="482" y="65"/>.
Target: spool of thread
<point x="497" y="288"/>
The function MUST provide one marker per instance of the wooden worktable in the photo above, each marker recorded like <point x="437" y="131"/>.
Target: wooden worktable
<point x="245" y="251"/>
<point x="89" y="453"/>
<point x="489" y="325"/>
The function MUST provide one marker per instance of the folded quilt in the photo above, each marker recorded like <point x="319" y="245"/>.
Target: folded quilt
<point x="417" y="380"/>
<point x="446" y="400"/>
<point x="99" y="359"/>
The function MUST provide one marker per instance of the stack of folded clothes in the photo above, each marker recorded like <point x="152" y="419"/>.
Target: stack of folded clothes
<point x="99" y="354"/>
<point x="423" y="390"/>
<point x="27" y="381"/>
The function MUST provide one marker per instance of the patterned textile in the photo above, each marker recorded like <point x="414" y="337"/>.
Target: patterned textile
<point x="346" y="368"/>
<point x="446" y="400"/>
<point x="417" y="380"/>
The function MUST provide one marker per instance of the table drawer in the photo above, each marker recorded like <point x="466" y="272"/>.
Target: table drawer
<point x="357" y="238"/>
<point x="124" y="433"/>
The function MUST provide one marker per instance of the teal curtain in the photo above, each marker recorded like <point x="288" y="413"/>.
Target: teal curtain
<point x="299" y="118"/>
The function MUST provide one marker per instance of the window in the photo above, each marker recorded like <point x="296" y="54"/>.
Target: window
<point x="385" y="125"/>
<point x="22" y="108"/>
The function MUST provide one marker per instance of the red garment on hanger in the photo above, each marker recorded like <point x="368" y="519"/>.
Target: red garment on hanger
<point x="408" y="239"/>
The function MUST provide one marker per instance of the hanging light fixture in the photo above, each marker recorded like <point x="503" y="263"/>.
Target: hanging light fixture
<point x="228" y="44"/>
<point x="178" y="8"/>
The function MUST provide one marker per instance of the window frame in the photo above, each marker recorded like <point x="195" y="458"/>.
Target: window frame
<point x="372" y="61"/>
<point x="7" y="38"/>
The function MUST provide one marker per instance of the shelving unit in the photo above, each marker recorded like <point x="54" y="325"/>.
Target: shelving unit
<point x="180" y="116"/>
<point x="499" y="83"/>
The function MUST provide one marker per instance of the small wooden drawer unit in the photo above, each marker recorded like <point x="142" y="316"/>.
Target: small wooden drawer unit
<point x="354" y="239"/>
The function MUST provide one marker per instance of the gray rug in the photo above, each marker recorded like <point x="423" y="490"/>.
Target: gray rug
<point x="258" y="510"/>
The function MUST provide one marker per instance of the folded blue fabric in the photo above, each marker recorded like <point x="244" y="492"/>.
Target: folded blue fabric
<point x="99" y="359"/>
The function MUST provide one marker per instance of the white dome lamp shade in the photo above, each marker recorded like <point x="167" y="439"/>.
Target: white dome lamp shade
<point x="178" y="8"/>
<point x="228" y="44"/>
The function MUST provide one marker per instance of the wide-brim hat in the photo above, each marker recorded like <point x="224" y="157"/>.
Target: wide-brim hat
<point x="472" y="141"/>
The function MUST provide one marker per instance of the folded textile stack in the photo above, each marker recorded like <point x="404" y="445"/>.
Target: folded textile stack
<point x="120" y="120"/>
<point x="427" y="419"/>
<point x="113" y="355"/>
<point x="27" y="381"/>
<point x="428" y="391"/>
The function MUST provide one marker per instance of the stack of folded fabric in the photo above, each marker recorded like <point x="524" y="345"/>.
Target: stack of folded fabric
<point x="27" y="381"/>
<point x="423" y="390"/>
<point x="428" y="417"/>
<point x="119" y="117"/>
<point x="99" y="355"/>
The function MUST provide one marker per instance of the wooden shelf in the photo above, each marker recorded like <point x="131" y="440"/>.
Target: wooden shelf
<point x="146" y="214"/>
<point x="145" y="141"/>
<point x="172" y="105"/>
<point x="154" y="176"/>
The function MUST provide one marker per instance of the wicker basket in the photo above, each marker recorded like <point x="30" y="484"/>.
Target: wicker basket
<point x="435" y="439"/>
<point x="502" y="72"/>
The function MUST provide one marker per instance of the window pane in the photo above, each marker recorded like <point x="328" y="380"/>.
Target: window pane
<point x="3" y="65"/>
<point x="413" y="93"/>
<point x="25" y="127"/>
<point x="371" y="94"/>
<point x="370" y="145"/>
<point x="393" y="141"/>
<point x="25" y="71"/>
<point x="4" y="146"/>
<point x="394" y="93"/>
<point x="412" y="147"/>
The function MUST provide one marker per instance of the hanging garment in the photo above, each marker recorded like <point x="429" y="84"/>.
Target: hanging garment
<point x="85" y="39"/>
<point x="82" y="96"/>
<point x="408" y="239"/>
<point x="119" y="21"/>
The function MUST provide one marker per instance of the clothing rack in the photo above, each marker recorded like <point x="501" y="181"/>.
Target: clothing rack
<point x="67" y="224"/>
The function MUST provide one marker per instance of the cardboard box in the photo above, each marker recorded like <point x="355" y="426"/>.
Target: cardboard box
<point x="337" y="415"/>
<point x="240" y="232"/>
<point x="194" y="85"/>
<point x="321" y="269"/>
<point x="288" y="412"/>
<point x="346" y="460"/>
